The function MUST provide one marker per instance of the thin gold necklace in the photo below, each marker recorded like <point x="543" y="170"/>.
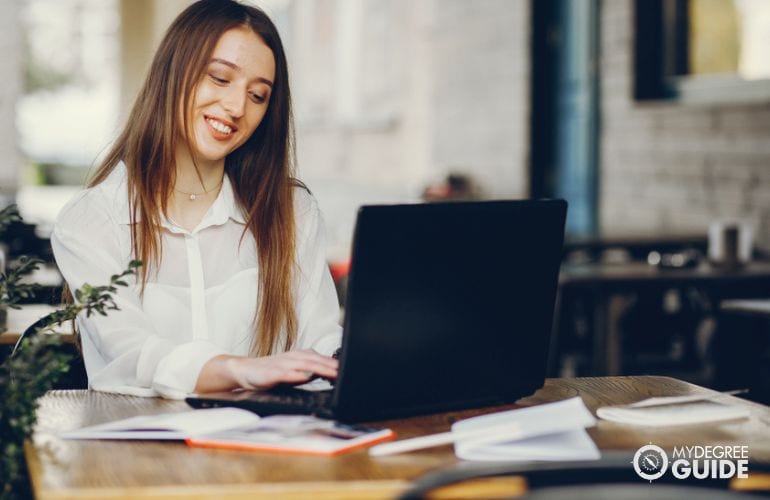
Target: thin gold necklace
<point x="194" y="196"/>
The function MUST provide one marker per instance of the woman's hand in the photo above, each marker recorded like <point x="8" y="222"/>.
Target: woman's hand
<point x="225" y="372"/>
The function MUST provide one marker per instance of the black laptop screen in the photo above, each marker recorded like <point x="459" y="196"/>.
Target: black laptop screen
<point x="449" y="304"/>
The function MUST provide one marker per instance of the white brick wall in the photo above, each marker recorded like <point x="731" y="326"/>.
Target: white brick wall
<point x="670" y="166"/>
<point x="481" y="92"/>
<point x="444" y="86"/>
<point x="456" y="97"/>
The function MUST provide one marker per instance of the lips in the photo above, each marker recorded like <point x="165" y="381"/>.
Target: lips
<point x="220" y="129"/>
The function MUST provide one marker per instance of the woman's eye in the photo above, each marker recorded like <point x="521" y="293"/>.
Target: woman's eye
<point x="217" y="80"/>
<point x="259" y="99"/>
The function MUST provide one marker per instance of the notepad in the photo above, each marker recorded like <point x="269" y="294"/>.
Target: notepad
<point x="672" y="411"/>
<point x="298" y="434"/>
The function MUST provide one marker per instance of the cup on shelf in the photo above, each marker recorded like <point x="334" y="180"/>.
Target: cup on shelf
<point x="730" y="243"/>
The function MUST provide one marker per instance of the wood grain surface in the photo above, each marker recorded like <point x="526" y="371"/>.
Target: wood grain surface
<point x="116" y="469"/>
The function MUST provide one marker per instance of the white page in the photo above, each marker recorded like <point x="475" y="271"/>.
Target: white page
<point x="553" y="431"/>
<point x="670" y="400"/>
<point x="569" y="445"/>
<point x="170" y="426"/>
<point x="549" y="418"/>
<point x="685" y="413"/>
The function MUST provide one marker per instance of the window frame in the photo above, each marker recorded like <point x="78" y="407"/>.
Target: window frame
<point x="664" y="24"/>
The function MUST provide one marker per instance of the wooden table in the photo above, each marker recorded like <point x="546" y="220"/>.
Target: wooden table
<point x="636" y="246"/>
<point x="112" y="469"/>
<point x="620" y="277"/>
<point x="601" y="283"/>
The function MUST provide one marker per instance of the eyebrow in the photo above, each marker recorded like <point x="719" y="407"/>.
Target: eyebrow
<point x="236" y="67"/>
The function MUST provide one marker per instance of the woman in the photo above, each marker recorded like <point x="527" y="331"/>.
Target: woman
<point x="234" y="291"/>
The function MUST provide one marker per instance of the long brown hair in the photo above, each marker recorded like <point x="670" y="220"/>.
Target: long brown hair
<point x="261" y="171"/>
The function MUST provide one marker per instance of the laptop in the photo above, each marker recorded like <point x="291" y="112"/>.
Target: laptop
<point x="449" y="306"/>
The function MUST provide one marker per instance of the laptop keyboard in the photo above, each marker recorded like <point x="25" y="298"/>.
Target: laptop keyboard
<point x="297" y="398"/>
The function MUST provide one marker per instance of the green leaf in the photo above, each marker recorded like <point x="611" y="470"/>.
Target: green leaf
<point x="33" y="368"/>
<point x="8" y="216"/>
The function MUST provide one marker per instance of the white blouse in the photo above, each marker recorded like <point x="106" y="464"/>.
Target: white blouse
<point x="201" y="302"/>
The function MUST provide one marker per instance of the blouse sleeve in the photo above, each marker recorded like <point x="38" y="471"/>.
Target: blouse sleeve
<point x="318" y="310"/>
<point x="122" y="351"/>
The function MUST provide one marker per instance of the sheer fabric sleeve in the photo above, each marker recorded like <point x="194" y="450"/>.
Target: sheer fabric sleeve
<point x="318" y="310"/>
<point x="122" y="351"/>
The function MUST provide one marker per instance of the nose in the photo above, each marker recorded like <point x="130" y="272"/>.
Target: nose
<point x="234" y="101"/>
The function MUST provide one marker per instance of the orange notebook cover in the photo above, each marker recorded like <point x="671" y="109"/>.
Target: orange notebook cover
<point x="297" y="434"/>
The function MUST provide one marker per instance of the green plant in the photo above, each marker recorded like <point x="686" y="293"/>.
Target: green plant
<point x="11" y="289"/>
<point x="36" y="362"/>
<point x="23" y="379"/>
<point x="8" y="216"/>
<point x="88" y="299"/>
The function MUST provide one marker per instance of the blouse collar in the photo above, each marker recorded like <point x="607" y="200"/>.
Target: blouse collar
<point x="224" y="207"/>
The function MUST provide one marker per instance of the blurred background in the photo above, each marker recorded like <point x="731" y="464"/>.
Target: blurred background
<point x="651" y="117"/>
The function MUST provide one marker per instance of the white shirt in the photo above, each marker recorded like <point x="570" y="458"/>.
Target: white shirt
<point x="201" y="302"/>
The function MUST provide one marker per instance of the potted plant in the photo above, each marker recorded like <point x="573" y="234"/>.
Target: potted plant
<point x="36" y="364"/>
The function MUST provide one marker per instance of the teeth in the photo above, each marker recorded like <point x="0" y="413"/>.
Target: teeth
<point x="219" y="127"/>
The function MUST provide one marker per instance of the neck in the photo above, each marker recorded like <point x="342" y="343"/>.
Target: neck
<point x="206" y="177"/>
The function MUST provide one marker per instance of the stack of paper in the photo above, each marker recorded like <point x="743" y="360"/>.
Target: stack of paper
<point x="676" y="410"/>
<point x="554" y="431"/>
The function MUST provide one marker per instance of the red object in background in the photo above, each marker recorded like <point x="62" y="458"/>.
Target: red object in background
<point x="339" y="269"/>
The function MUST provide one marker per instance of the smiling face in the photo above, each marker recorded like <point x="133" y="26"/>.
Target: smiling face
<point x="232" y="96"/>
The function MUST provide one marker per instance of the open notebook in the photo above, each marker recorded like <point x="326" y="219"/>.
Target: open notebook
<point x="240" y="429"/>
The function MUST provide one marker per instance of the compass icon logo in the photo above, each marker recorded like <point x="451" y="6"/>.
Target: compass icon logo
<point x="650" y="462"/>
